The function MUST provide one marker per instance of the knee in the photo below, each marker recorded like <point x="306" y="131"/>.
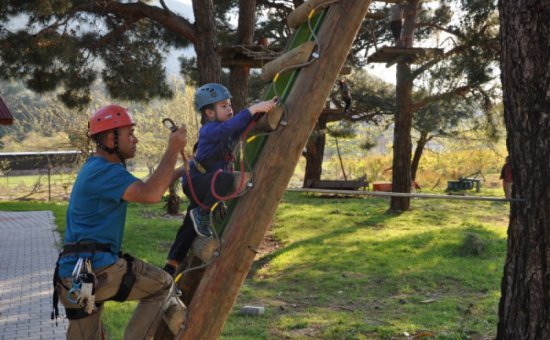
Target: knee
<point x="224" y="183"/>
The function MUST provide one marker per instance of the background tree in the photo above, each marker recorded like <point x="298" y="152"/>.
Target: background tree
<point x="466" y="29"/>
<point x="453" y="118"/>
<point x="468" y="66"/>
<point x="524" y="310"/>
<point x="44" y="124"/>
<point x="373" y="102"/>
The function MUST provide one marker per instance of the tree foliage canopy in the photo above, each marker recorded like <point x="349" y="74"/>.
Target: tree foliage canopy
<point x="64" y="45"/>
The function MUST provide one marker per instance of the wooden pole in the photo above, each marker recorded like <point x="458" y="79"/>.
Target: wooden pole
<point x="222" y="280"/>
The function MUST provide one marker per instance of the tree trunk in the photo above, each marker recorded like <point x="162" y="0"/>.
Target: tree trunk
<point x="239" y="75"/>
<point x="208" y="60"/>
<point x="315" y="151"/>
<point x="222" y="280"/>
<point x="524" y="310"/>
<point x="173" y="201"/>
<point x="420" y="144"/>
<point x="402" y="146"/>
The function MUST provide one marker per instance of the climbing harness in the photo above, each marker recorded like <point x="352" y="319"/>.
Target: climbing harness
<point x="84" y="281"/>
<point x="219" y="206"/>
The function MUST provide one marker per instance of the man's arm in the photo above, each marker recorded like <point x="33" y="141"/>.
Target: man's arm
<point x="153" y="188"/>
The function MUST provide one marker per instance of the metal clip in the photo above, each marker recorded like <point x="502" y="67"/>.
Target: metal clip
<point x="169" y="123"/>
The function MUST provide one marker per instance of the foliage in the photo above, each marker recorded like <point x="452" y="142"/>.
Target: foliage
<point x="46" y="125"/>
<point x="63" y="46"/>
<point x="444" y="159"/>
<point x="153" y="136"/>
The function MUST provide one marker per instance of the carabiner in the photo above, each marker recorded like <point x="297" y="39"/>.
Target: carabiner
<point x="74" y="293"/>
<point x="169" y="123"/>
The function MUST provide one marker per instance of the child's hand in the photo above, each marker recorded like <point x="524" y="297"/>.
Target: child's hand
<point x="263" y="106"/>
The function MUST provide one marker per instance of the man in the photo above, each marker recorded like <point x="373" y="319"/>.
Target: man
<point x="345" y="91"/>
<point x="90" y="269"/>
<point x="396" y="22"/>
<point x="506" y="177"/>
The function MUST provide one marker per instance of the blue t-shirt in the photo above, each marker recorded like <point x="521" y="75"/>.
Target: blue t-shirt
<point x="96" y="211"/>
<point x="214" y="137"/>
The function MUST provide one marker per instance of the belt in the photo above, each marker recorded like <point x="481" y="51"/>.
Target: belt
<point x="86" y="247"/>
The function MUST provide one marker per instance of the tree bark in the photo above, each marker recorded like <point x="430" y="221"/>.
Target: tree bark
<point x="402" y="146"/>
<point x="524" y="310"/>
<point x="251" y="218"/>
<point x="239" y="75"/>
<point x="206" y="47"/>
<point x="420" y="144"/>
<point x="315" y="151"/>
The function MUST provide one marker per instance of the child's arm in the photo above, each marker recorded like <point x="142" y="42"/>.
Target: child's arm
<point x="237" y="124"/>
<point x="264" y="106"/>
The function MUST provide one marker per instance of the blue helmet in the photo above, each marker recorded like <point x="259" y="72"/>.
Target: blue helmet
<point x="210" y="94"/>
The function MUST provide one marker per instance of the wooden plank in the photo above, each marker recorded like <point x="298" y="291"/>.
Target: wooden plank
<point x="375" y="15"/>
<point x="300" y="14"/>
<point x="296" y="56"/>
<point x="336" y="185"/>
<point x="389" y="54"/>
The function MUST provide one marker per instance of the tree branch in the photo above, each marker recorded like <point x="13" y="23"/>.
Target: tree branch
<point x="441" y="28"/>
<point x="459" y="91"/>
<point x="134" y="12"/>
<point x="429" y="64"/>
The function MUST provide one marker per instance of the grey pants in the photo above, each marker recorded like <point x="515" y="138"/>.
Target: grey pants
<point x="153" y="288"/>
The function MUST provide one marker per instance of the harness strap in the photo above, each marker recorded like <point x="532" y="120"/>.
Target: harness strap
<point x="55" y="300"/>
<point x="78" y="313"/>
<point x="127" y="281"/>
<point x="199" y="167"/>
<point x="223" y="153"/>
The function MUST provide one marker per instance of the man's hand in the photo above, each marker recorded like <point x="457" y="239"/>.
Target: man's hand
<point x="178" y="138"/>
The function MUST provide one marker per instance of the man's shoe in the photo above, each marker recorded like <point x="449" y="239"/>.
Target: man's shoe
<point x="201" y="222"/>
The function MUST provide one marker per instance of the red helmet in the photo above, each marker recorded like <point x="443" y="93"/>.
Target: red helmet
<point x="109" y="117"/>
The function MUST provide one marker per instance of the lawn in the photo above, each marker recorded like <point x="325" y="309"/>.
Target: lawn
<point x="345" y="268"/>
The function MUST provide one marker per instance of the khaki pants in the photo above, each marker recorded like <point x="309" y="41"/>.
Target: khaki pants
<point x="154" y="289"/>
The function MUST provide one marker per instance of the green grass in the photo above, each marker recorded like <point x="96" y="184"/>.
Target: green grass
<point x="347" y="269"/>
<point x="59" y="209"/>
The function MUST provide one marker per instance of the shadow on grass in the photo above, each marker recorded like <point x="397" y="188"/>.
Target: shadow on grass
<point x="457" y="259"/>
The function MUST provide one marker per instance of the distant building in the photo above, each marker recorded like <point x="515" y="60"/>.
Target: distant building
<point x="6" y="118"/>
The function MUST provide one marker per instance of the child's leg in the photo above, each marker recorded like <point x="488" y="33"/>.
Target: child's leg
<point x="202" y="185"/>
<point x="179" y="249"/>
<point x="223" y="187"/>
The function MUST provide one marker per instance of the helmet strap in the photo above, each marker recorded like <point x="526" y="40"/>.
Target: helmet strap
<point x="112" y="150"/>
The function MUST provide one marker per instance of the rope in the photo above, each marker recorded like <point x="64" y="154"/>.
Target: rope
<point x="403" y="194"/>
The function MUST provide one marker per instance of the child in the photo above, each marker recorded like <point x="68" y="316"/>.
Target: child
<point x="217" y="137"/>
